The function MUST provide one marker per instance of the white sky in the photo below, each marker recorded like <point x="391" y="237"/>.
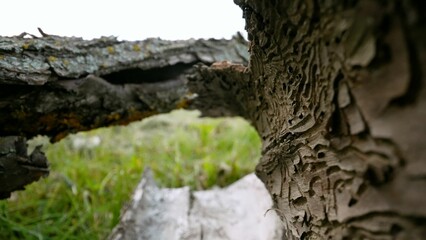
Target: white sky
<point x="126" y="19"/>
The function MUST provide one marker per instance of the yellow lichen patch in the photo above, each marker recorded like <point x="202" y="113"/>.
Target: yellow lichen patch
<point x="1" y="57"/>
<point x="65" y="62"/>
<point x="183" y="103"/>
<point x="25" y="46"/>
<point x="52" y="58"/>
<point x="72" y="120"/>
<point x="54" y="121"/>
<point x="135" y="115"/>
<point x="187" y="100"/>
<point x="117" y="118"/>
<point x="111" y="50"/>
<point x="48" y="121"/>
<point x="113" y="117"/>
<point x="136" y="48"/>
<point x="105" y="120"/>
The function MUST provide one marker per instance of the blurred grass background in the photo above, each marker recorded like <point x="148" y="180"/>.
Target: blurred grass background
<point x="93" y="174"/>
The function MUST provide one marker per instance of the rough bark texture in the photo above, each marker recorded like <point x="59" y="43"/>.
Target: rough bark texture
<point x="238" y="212"/>
<point x="56" y="85"/>
<point x="336" y="91"/>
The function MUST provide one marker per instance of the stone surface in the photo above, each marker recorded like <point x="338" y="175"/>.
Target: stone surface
<point x="240" y="211"/>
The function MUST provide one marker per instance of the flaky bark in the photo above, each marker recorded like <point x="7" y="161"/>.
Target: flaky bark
<point x="336" y="91"/>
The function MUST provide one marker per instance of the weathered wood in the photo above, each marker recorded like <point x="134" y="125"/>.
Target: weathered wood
<point x="58" y="85"/>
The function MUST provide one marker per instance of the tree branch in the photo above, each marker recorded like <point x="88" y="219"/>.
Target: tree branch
<point x="17" y="169"/>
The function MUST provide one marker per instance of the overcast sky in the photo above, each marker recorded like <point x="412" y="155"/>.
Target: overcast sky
<point x="126" y="19"/>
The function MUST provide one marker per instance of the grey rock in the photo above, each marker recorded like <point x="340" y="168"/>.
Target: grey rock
<point x="239" y="211"/>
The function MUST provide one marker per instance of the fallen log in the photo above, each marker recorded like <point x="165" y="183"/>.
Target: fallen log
<point x="55" y="86"/>
<point x="59" y="85"/>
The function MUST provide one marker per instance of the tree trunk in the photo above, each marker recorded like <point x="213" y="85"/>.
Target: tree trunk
<point x="336" y="91"/>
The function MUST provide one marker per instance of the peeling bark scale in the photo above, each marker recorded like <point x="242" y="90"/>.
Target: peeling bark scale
<point x="334" y="88"/>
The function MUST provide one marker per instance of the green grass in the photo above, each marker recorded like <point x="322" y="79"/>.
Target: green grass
<point x="87" y="187"/>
